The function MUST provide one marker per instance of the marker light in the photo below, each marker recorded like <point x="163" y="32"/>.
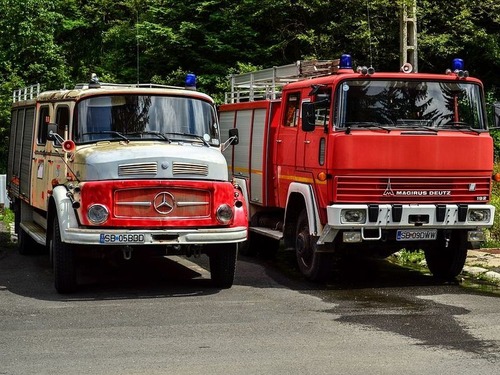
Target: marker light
<point x="191" y="81"/>
<point x="457" y="64"/>
<point x="345" y="62"/>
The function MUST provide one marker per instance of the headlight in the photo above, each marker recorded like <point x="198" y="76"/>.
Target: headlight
<point x="224" y="213"/>
<point x="97" y="213"/>
<point x="478" y="215"/>
<point x="353" y="215"/>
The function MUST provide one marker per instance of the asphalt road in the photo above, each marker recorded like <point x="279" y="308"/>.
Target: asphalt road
<point x="163" y="317"/>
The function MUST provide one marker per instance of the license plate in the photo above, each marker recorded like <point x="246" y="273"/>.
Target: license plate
<point x="416" y="234"/>
<point x="121" y="238"/>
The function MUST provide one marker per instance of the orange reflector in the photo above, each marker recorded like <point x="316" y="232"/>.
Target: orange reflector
<point x="54" y="182"/>
<point x="322" y="176"/>
<point x="496" y="177"/>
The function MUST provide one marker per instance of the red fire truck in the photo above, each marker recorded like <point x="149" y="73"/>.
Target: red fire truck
<point x="107" y="170"/>
<point x="334" y="160"/>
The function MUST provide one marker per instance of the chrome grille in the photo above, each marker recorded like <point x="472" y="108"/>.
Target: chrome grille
<point x="138" y="169"/>
<point x="162" y="203"/>
<point x="189" y="168"/>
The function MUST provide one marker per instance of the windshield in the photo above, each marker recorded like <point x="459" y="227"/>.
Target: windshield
<point x="409" y="104"/>
<point x="146" y="117"/>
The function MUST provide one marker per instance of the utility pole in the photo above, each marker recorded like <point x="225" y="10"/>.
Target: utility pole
<point x="408" y="34"/>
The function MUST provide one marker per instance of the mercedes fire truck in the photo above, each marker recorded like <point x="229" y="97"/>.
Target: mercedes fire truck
<point x="116" y="169"/>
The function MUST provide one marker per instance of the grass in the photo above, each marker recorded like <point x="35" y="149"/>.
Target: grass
<point x="6" y="216"/>
<point x="414" y="258"/>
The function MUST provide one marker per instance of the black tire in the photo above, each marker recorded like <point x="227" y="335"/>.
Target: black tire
<point x="63" y="262"/>
<point x="446" y="262"/>
<point x="314" y="265"/>
<point x="25" y="244"/>
<point x="258" y="244"/>
<point x="223" y="264"/>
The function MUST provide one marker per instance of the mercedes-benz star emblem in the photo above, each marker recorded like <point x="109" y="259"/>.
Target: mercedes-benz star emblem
<point x="164" y="203"/>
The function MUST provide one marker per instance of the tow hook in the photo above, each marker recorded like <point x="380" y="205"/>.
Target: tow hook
<point x="127" y="252"/>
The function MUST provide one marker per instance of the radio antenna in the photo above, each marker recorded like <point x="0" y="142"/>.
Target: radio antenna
<point x="137" y="43"/>
<point x="369" y="32"/>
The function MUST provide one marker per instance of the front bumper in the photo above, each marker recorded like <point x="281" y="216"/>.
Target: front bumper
<point x="134" y="237"/>
<point x="405" y="216"/>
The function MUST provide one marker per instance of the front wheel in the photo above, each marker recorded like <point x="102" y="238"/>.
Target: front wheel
<point x="447" y="261"/>
<point x="222" y="264"/>
<point x="314" y="265"/>
<point x="63" y="261"/>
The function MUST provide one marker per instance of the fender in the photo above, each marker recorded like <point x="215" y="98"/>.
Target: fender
<point x="242" y="183"/>
<point x="306" y="191"/>
<point x="64" y="210"/>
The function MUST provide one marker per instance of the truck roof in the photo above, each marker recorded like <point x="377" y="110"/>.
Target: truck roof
<point x="82" y="90"/>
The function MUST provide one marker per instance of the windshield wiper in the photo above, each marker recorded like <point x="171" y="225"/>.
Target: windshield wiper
<point x="158" y="134"/>
<point x="190" y="135"/>
<point x="459" y="125"/>
<point x="108" y="132"/>
<point x="365" y="124"/>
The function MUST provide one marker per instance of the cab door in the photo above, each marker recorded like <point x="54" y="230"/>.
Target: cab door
<point x="314" y="142"/>
<point x="286" y="156"/>
<point x="40" y="164"/>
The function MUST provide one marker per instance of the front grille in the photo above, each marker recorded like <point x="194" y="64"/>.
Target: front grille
<point x="350" y="189"/>
<point x="138" y="169"/>
<point x="189" y="168"/>
<point x="162" y="203"/>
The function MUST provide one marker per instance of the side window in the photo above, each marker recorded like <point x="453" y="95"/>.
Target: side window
<point x="292" y="109"/>
<point x="43" y="121"/>
<point x="62" y="121"/>
<point x="322" y="107"/>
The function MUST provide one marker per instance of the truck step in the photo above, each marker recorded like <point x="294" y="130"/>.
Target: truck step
<point x="36" y="231"/>
<point x="275" y="234"/>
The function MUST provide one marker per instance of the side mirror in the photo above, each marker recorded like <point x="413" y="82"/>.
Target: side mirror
<point x="52" y="132"/>
<point x="232" y="140"/>
<point x="234" y="136"/>
<point x="308" y="117"/>
<point x="496" y="111"/>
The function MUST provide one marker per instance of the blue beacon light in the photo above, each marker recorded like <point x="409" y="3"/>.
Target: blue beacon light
<point x="191" y="81"/>
<point x="457" y="64"/>
<point x="345" y="62"/>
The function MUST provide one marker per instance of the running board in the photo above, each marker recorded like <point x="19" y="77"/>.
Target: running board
<point x="275" y="234"/>
<point x="35" y="231"/>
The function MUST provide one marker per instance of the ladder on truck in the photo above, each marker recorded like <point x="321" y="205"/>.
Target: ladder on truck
<point x="267" y="83"/>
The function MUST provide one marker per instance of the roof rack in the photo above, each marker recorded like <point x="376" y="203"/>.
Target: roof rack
<point x="80" y="86"/>
<point x="27" y="93"/>
<point x="267" y="83"/>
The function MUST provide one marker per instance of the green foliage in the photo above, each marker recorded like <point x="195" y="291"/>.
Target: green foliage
<point x="411" y="258"/>
<point x="6" y="216"/>
<point x="61" y="42"/>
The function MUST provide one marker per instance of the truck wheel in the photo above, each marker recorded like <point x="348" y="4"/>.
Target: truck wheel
<point x="25" y="244"/>
<point x="258" y="244"/>
<point x="314" y="265"/>
<point x="222" y="264"/>
<point x="63" y="262"/>
<point x="446" y="262"/>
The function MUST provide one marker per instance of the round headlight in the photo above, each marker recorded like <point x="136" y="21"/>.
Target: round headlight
<point x="97" y="213"/>
<point x="224" y="213"/>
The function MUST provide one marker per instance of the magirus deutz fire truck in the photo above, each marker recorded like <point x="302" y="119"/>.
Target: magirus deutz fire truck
<point x="108" y="169"/>
<point x="334" y="160"/>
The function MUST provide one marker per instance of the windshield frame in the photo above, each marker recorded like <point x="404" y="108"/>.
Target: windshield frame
<point x="448" y="119"/>
<point x="145" y="117"/>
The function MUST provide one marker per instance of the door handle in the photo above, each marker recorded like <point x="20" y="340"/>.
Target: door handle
<point x="307" y="142"/>
<point x="279" y="141"/>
